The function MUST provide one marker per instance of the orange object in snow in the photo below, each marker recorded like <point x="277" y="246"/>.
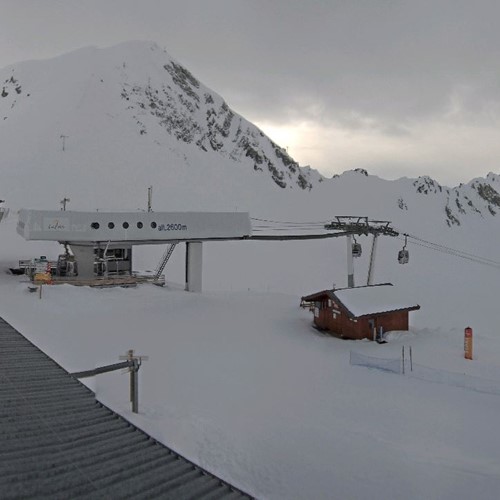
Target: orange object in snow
<point x="468" y="343"/>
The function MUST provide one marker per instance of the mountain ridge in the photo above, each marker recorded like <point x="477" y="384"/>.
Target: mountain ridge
<point x="108" y="122"/>
<point x="175" y="101"/>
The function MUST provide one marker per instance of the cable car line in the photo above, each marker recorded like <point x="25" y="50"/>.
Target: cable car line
<point x="453" y="249"/>
<point x="363" y="222"/>
<point x="450" y="250"/>
<point x="454" y="252"/>
<point x="288" y="222"/>
<point x="477" y="261"/>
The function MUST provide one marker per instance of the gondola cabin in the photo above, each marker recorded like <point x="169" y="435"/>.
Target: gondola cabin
<point x="356" y="250"/>
<point x="364" y="312"/>
<point x="403" y="256"/>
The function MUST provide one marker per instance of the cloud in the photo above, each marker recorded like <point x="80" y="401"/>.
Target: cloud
<point x="362" y="83"/>
<point x="440" y="148"/>
<point x="392" y="61"/>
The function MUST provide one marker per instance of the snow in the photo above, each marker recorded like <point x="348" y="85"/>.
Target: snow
<point x="237" y="379"/>
<point x="361" y="301"/>
<point x="239" y="382"/>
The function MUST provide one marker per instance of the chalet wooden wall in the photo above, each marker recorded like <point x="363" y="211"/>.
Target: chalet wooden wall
<point x="335" y="319"/>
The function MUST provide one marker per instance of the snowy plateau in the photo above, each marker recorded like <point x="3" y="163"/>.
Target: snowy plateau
<point x="237" y="379"/>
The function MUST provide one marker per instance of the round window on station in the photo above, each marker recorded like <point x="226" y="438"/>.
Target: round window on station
<point x="94" y="225"/>
<point x="153" y="225"/>
<point x="125" y="225"/>
<point x="111" y="225"/>
<point x="140" y="225"/>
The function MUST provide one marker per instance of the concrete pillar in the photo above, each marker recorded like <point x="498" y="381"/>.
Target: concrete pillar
<point x="350" y="263"/>
<point x="372" y="260"/>
<point x="84" y="255"/>
<point x="194" y="266"/>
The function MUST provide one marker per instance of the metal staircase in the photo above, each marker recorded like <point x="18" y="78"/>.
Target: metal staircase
<point x="163" y="261"/>
<point x="3" y="212"/>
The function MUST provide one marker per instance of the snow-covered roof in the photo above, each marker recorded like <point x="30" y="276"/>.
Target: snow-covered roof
<point x="366" y="300"/>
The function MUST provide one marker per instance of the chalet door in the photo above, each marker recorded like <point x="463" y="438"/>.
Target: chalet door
<point x="371" y="327"/>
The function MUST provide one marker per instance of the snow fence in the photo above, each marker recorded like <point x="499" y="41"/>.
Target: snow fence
<point x="388" y="365"/>
<point x="427" y="374"/>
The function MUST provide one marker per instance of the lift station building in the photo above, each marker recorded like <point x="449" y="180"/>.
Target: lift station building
<point x="91" y="234"/>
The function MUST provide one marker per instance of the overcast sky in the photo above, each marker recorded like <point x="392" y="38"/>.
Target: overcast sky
<point x="401" y="88"/>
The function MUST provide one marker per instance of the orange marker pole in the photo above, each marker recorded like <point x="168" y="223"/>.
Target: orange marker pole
<point x="468" y="343"/>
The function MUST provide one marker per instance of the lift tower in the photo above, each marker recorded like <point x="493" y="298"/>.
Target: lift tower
<point x="354" y="225"/>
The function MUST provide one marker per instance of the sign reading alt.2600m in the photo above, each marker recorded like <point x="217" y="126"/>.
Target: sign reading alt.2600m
<point x="172" y="227"/>
<point x="137" y="227"/>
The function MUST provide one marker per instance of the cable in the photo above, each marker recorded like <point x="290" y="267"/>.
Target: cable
<point x="289" y="222"/>
<point x="453" y="249"/>
<point x="454" y="252"/>
<point x="273" y="226"/>
<point x="283" y="226"/>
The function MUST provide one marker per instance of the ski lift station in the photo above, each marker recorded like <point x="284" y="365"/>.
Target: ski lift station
<point x="102" y="243"/>
<point x="97" y="236"/>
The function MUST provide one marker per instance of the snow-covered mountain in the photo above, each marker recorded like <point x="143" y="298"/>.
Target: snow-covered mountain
<point x="238" y="380"/>
<point x="478" y="197"/>
<point x="125" y="116"/>
<point x="100" y="125"/>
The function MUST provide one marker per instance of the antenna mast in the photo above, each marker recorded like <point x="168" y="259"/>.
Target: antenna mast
<point x="63" y="203"/>
<point x="150" y="198"/>
<point x="63" y="137"/>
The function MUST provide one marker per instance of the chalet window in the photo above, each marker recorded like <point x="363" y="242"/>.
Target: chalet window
<point x="316" y="312"/>
<point x="329" y="303"/>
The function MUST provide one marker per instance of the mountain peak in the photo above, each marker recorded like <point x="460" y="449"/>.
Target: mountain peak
<point x="153" y="95"/>
<point x="104" y="123"/>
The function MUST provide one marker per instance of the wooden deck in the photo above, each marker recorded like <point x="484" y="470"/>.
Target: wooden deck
<point x="104" y="282"/>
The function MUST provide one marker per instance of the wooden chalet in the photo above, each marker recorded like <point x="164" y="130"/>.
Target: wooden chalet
<point x="363" y="312"/>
